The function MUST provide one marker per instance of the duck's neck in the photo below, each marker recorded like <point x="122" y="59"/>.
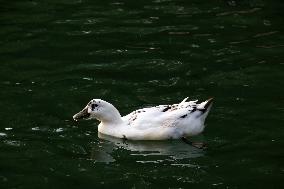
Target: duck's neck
<point x="112" y="117"/>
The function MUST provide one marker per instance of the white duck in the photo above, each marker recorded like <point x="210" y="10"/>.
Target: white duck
<point x="155" y="123"/>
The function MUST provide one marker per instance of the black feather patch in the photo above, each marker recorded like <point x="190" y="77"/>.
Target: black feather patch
<point x="202" y="110"/>
<point x="166" y="109"/>
<point x="184" y="116"/>
<point x="94" y="106"/>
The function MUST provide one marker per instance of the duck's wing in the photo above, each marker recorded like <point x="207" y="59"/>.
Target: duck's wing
<point x="162" y="115"/>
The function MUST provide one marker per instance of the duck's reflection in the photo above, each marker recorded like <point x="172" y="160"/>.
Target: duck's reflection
<point x="170" y="149"/>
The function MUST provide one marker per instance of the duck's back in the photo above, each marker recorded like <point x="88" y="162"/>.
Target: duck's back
<point x="166" y="121"/>
<point x="162" y="116"/>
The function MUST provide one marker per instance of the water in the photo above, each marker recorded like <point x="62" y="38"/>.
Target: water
<point x="57" y="55"/>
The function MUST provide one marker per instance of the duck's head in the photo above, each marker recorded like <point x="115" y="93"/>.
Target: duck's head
<point x="100" y="110"/>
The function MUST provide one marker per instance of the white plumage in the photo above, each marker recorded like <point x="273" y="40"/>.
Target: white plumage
<point x="155" y="123"/>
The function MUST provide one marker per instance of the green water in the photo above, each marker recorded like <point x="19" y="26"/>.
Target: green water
<point x="57" y="55"/>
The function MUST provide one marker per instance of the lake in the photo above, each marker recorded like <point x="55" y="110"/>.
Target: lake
<point x="55" y="56"/>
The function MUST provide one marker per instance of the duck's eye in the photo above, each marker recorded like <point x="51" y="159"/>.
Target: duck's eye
<point x="94" y="106"/>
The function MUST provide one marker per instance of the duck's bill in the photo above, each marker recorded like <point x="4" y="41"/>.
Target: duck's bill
<point x="83" y="114"/>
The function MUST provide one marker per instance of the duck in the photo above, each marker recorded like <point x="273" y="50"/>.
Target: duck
<point x="162" y="122"/>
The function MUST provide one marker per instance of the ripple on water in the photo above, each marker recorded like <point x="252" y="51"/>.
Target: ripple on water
<point x="3" y="134"/>
<point x="58" y="130"/>
<point x="146" y="151"/>
<point x="14" y="143"/>
<point x="74" y="149"/>
<point x="35" y="129"/>
<point x="8" y="128"/>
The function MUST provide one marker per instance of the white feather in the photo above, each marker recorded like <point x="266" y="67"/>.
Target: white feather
<point x="155" y="123"/>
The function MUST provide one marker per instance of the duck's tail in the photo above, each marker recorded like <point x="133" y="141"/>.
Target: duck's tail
<point x="186" y="103"/>
<point x="205" y="106"/>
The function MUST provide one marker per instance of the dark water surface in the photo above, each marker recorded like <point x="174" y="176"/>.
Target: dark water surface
<point x="56" y="55"/>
